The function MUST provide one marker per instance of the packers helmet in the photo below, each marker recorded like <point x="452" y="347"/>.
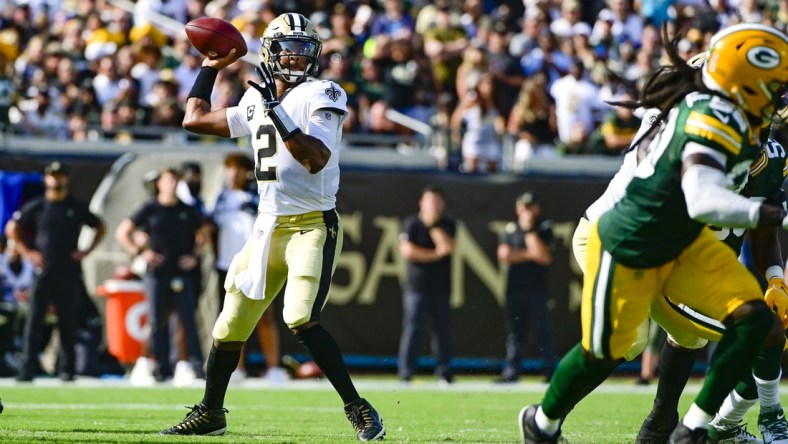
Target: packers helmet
<point x="290" y="34"/>
<point x="748" y="62"/>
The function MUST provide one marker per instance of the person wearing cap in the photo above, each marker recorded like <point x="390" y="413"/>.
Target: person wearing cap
<point x="526" y="247"/>
<point x="427" y="244"/>
<point x="174" y="231"/>
<point x="46" y="231"/>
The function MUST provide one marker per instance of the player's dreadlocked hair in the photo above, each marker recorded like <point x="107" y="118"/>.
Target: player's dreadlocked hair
<point x="667" y="86"/>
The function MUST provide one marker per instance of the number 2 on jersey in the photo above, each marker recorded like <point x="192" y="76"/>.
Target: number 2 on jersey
<point x="265" y="148"/>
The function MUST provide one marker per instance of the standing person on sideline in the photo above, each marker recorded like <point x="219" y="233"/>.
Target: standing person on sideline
<point x="233" y="215"/>
<point x="526" y="247"/>
<point x="656" y="238"/>
<point x="427" y="243"/>
<point x="173" y="231"/>
<point x="295" y="127"/>
<point x="53" y="223"/>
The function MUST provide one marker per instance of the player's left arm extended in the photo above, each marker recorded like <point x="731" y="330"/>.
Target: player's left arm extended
<point x="708" y="199"/>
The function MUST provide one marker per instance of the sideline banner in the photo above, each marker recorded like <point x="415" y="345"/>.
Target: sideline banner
<point x="364" y="310"/>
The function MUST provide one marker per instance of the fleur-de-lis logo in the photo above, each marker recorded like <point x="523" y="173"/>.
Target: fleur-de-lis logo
<point x="333" y="93"/>
<point x="333" y="232"/>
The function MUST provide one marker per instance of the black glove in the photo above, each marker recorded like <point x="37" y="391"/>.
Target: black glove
<point x="266" y="87"/>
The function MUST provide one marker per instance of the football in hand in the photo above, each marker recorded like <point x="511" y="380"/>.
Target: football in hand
<point x="215" y="37"/>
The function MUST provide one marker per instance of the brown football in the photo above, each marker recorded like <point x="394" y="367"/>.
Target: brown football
<point x="215" y="37"/>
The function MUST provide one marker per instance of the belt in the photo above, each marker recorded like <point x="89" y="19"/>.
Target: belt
<point x="299" y="217"/>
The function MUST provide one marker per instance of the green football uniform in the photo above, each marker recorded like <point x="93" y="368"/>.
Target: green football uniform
<point x="767" y="175"/>
<point x="650" y="225"/>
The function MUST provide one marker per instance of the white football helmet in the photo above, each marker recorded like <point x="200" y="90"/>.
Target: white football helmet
<point x="290" y="34"/>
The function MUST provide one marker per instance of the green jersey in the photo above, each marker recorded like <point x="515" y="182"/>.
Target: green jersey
<point x="767" y="175"/>
<point x="650" y="225"/>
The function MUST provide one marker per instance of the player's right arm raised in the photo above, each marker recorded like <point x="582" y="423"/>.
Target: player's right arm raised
<point x="198" y="117"/>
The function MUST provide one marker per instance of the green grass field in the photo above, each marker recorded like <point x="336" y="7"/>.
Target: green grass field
<point x="471" y="411"/>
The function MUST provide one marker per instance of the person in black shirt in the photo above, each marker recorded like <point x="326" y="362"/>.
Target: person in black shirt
<point x="427" y="243"/>
<point x="526" y="247"/>
<point x="46" y="231"/>
<point x="174" y="231"/>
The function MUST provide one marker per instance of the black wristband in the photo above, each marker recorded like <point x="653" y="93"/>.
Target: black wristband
<point x="203" y="84"/>
<point x="282" y="122"/>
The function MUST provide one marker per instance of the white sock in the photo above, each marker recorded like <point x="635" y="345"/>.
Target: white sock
<point x="769" y="391"/>
<point x="545" y="424"/>
<point x="733" y="409"/>
<point x="696" y="418"/>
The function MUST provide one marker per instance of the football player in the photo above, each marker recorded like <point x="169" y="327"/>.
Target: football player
<point x="295" y="125"/>
<point x="689" y="331"/>
<point x="655" y="240"/>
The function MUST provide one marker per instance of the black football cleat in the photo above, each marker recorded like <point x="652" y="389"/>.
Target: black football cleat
<point x="656" y="429"/>
<point x="530" y="431"/>
<point x="684" y="435"/>
<point x="200" y="421"/>
<point x="366" y="420"/>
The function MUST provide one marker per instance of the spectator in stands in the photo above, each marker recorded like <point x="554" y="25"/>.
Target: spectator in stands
<point x="547" y="58"/>
<point x="444" y="44"/>
<point x="477" y="125"/>
<point x="473" y="19"/>
<point x="474" y="64"/>
<point x="533" y="122"/>
<point x="571" y="12"/>
<point x="525" y="39"/>
<point x="45" y="231"/>
<point x="372" y="90"/>
<point x="146" y="71"/>
<point x="526" y="247"/>
<point x="234" y="214"/>
<point x="617" y="131"/>
<point x="8" y="88"/>
<point x="174" y="232"/>
<point x="408" y="86"/>
<point x="342" y="38"/>
<point x="504" y="67"/>
<point x="395" y="23"/>
<point x="42" y="119"/>
<point x="625" y="24"/>
<point x="427" y="244"/>
<point x="576" y="105"/>
<point x="17" y="276"/>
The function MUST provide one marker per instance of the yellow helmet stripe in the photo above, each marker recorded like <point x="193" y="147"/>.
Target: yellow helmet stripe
<point x="711" y="129"/>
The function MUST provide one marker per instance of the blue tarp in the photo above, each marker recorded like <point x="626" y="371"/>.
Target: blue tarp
<point x="13" y="187"/>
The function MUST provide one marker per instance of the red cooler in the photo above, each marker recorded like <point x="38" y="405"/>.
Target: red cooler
<point x="127" y="318"/>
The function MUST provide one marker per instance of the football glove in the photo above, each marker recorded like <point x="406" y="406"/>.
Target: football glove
<point x="777" y="298"/>
<point x="266" y="87"/>
<point x="279" y="117"/>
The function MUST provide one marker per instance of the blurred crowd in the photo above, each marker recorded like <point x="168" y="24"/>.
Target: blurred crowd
<point x="532" y="73"/>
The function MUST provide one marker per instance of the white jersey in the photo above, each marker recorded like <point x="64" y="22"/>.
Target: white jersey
<point x="285" y="186"/>
<point x="234" y="222"/>
<point x="11" y="282"/>
<point x="618" y="184"/>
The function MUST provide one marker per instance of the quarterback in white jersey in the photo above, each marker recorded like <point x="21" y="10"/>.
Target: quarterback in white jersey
<point x="295" y="126"/>
<point x="285" y="186"/>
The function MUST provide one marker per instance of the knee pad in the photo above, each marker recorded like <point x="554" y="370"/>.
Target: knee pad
<point x="299" y="312"/>
<point x="238" y="319"/>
